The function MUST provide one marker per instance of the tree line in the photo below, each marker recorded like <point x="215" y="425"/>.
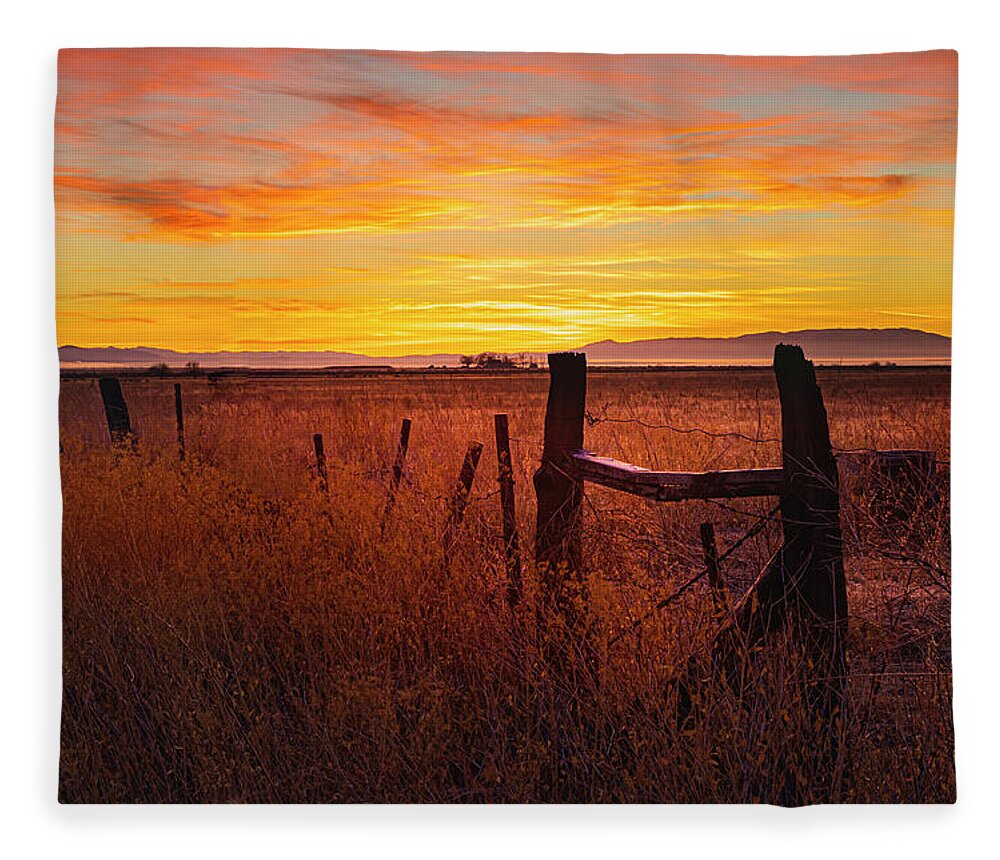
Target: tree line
<point x="497" y="361"/>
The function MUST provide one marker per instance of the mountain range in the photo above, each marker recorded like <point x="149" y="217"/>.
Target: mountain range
<point x="827" y="346"/>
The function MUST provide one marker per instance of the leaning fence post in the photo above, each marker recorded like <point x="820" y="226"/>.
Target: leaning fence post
<point x="560" y="495"/>
<point x="460" y="498"/>
<point x="116" y="411"/>
<point x="397" y="471"/>
<point x="512" y="554"/>
<point x="804" y="583"/>
<point x="179" y="413"/>
<point x="320" y="462"/>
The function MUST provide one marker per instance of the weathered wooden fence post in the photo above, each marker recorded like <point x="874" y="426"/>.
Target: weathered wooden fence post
<point x="812" y="557"/>
<point x="179" y="414"/>
<point x="568" y="644"/>
<point x="804" y="583"/>
<point x="511" y="548"/>
<point x="116" y="411"/>
<point x="460" y="498"/>
<point x="397" y="472"/>
<point x="320" y="463"/>
<point x="558" y="544"/>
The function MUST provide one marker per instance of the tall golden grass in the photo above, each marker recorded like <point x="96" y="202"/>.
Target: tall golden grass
<point x="233" y="635"/>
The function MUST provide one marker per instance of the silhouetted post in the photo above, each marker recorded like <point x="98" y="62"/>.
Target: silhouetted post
<point x="116" y="411"/>
<point x="512" y="554"/>
<point x="320" y="462"/>
<point x="397" y="471"/>
<point x="812" y="557"/>
<point x="560" y="495"/>
<point x="804" y="583"/>
<point x="711" y="554"/>
<point x="179" y="413"/>
<point x="568" y="643"/>
<point x="460" y="498"/>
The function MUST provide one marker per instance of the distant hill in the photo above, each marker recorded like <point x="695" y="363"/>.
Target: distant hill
<point x="822" y="345"/>
<point x="146" y="356"/>
<point x="901" y="345"/>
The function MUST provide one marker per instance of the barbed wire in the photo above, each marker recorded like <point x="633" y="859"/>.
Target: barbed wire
<point x="768" y="517"/>
<point x="603" y="418"/>
<point x="751" y="533"/>
<point x="594" y="419"/>
<point x="449" y="497"/>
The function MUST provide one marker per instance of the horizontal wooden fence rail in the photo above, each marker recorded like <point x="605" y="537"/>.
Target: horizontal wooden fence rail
<point x="675" y="486"/>
<point x="726" y="483"/>
<point x="891" y="460"/>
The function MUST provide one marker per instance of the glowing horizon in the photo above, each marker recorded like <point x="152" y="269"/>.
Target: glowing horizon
<point x="397" y="203"/>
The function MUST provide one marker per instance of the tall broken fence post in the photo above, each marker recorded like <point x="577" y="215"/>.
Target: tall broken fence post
<point x="397" y="472"/>
<point x="558" y="541"/>
<point x="812" y="556"/>
<point x="511" y="548"/>
<point x="460" y="498"/>
<point x="569" y="646"/>
<point x="804" y="584"/>
<point x="119" y="425"/>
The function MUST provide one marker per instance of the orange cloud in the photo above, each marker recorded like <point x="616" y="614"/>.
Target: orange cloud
<point x="370" y="172"/>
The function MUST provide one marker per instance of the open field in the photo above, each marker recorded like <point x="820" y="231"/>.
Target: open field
<point x="232" y="634"/>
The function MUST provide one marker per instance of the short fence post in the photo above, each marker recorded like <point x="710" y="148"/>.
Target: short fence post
<point x="512" y="554"/>
<point x="116" y="411"/>
<point x="460" y="498"/>
<point x="179" y="413"/>
<point x="320" y="462"/>
<point x="397" y="472"/>
<point x="711" y="555"/>
<point x="558" y="544"/>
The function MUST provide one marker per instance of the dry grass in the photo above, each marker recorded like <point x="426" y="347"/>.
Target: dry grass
<point x="230" y="635"/>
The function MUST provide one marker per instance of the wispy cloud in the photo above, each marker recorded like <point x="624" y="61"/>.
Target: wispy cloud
<point x="399" y="176"/>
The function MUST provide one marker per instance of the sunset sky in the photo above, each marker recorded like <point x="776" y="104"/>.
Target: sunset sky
<point x="392" y="203"/>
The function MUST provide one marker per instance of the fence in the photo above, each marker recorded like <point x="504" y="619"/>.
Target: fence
<point x="802" y="588"/>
